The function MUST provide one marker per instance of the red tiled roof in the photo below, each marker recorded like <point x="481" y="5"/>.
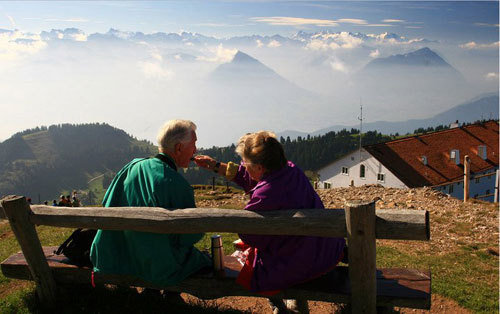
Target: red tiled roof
<point x="403" y="157"/>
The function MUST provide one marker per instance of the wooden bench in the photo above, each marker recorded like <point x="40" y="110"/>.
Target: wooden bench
<point x="360" y="284"/>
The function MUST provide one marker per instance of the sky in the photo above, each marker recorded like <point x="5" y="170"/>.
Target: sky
<point x="68" y="75"/>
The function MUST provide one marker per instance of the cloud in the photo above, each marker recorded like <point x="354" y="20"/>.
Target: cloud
<point x="293" y="21"/>
<point x="491" y="76"/>
<point x="274" y="44"/>
<point x="353" y="21"/>
<point x="379" y="25"/>
<point x="487" y="25"/>
<point x="393" y="21"/>
<point x="220" y="54"/>
<point x="77" y="36"/>
<point x="393" y="39"/>
<point x="154" y="70"/>
<point x="299" y="21"/>
<point x="325" y="41"/>
<point x="375" y="53"/>
<point x="474" y="45"/>
<point x="157" y="56"/>
<point x="15" y="45"/>
<point x="259" y="43"/>
<point x="71" y="20"/>
<point x="338" y="66"/>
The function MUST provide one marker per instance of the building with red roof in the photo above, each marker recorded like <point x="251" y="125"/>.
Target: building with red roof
<point x="434" y="159"/>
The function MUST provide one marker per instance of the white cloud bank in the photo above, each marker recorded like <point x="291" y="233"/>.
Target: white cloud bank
<point x="325" y="41"/>
<point x="491" y="76"/>
<point x="293" y="21"/>
<point x="274" y="44"/>
<point x="155" y="70"/>
<point x="219" y="54"/>
<point x="474" y="45"/>
<point x="15" y="45"/>
<point x="374" y="53"/>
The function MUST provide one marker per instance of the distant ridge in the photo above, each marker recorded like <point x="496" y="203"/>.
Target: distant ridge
<point x="478" y="108"/>
<point x="422" y="57"/>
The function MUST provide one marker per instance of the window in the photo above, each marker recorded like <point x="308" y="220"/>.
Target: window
<point x="327" y="185"/>
<point x="352" y="158"/>
<point x="380" y="177"/>
<point x="345" y="170"/>
<point x="362" y="171"/>
<point x="450" y="188"/>
<point x="481" y="152"/>
<point x="487" y="192"/>
<point x="477" y="180"/>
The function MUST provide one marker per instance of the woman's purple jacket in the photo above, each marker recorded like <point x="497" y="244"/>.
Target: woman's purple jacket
<point x="283" y="261"/>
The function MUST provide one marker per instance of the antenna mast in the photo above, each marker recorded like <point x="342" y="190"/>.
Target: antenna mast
<point x="360" y="118"/>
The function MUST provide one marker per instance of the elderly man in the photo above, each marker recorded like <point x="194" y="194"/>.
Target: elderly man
<point x="162" y="259"/>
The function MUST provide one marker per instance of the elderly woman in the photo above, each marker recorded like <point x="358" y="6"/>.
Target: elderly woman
<point x="274" y="183"/>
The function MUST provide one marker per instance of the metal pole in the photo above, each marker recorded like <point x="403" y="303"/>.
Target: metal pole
<point x="496" y="186"/>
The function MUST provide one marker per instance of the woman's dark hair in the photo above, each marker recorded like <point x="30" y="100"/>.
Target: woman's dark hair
<point x="262" y="148"/>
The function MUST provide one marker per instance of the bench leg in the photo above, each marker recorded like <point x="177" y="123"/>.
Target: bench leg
<point x="18" y="211"/>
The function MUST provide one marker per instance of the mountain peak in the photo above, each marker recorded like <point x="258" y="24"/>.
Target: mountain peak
<point x="243" y="58"/>
<point x="422" y="57"/>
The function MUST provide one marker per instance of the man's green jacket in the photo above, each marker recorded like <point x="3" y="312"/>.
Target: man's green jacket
<point x="162" y="259"/>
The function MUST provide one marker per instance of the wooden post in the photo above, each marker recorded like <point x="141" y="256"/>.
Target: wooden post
<point x="18" y="211"/>
<point x="466" y="177"/>
<point x="360" y="223"/>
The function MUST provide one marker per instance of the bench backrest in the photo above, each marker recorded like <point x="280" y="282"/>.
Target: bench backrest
<point x="358" y="222"/>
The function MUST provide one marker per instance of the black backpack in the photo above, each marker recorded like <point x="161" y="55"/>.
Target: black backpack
<point x="77" y="247"/>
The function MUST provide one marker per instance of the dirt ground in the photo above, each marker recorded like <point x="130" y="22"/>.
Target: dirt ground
<point x="261" y="305"/>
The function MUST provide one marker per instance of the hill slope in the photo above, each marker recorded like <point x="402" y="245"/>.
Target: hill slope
<point x="42" y="162"/>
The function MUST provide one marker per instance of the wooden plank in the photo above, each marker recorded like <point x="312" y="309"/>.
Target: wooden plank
<point x="360" y="221"/>
<point x="18" y="211"/>
<point x="397" y="287"/>
<point x="390" y="224"/>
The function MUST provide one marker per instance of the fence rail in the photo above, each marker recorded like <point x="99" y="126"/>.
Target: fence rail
<point x="389" y="224"/>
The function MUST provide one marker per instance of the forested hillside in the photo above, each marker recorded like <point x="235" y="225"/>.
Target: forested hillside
<point x="42" y="163"/>
<point x="309" y="153"/>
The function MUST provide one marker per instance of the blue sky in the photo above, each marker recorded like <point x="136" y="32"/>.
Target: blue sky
<point x="437" y="19"/>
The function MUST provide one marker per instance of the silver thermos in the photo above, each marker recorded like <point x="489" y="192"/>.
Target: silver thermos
<point x="217" y="254"/>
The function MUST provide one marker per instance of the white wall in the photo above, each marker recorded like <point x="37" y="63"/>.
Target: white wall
<point x="333" y="172"/>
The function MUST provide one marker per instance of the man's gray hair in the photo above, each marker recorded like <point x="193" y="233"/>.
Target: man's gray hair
<point x="175" y="131"/>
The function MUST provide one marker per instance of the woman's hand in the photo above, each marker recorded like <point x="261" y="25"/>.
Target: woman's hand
<point x="204" y="161"/>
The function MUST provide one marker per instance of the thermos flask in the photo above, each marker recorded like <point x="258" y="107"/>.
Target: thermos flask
<point x="217" y="253"/>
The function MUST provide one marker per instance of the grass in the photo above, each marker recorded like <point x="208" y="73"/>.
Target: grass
<point x="468" y="274"/>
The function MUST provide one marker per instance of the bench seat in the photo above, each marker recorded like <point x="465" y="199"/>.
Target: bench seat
<point x="395" y="286"/>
